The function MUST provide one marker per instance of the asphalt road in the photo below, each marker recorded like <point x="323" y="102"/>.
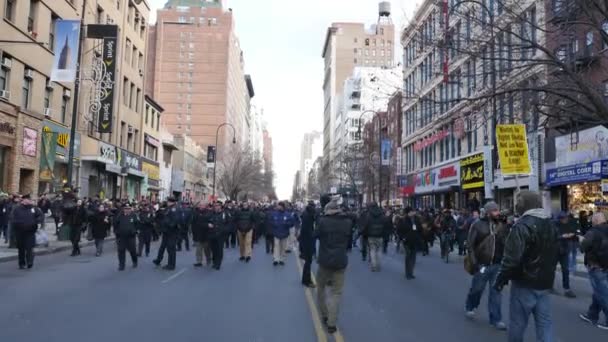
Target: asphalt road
<point x="86" y="298"/>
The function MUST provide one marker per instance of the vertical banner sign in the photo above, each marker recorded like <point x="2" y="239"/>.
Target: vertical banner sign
<point x="513" y="153"/>
<point x="488" y="172"/>
<point x="446" y="58"/>
<point x="47" y="162"/>
<point x="399" y="166"/>
<point x="106" y="111"/>
<point x="386" y="152"/>
<point x="210" y="156"/>
<point x="67" y="35"/>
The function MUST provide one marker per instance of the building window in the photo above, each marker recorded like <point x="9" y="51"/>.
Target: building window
<point x="605" y="91"/>
<point x="138" y="99"/>
<point x="132" y="96"/>
<point x="31" y="16"/>
<point x="147" y="112"/>
<point x="181" y="19"/>
<point x="52" y="32"/>
<point x="27" y="89"/>
<point x="64" y="109"/>
<point x="48" y="94"/>
<point x="128" y="50"/>
<point x="4" y="74"/>
<point x="589" y="43"/>
<point x="122" y="133"/>
<point x="125" y="91"/>
<point x="9" y="9"/>
<point x="157" y="122"/>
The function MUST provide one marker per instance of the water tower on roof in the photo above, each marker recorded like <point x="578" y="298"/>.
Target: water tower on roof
<point x="384" y="13"/>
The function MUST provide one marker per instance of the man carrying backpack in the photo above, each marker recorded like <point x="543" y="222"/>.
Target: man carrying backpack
<point x="595" y="247"/>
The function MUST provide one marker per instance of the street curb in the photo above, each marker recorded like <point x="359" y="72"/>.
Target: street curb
<point x="52" y="250"/>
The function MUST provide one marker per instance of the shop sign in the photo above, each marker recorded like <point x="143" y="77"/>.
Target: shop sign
<point x="47" y="160"/>
<point x="6" y="127"/>
<point x="106" y="100"/>
<point x="151" y="140"/>
<point x="513" y="154"/>
<point x="472" y="172"/>
<point x="30" y="142"/>
<point x="108" y="153"/>
<point x="130" y="161"/>
<point x="406" y="185"/>
<point x="586" y="146"/>
<point x="449" y="175"/>
<point x="586" y="172"/>
<point x="431" y="140"/>
<point x="152" y="170"/>
<point x="63" y="138"/>
<point x="426" y="181"/>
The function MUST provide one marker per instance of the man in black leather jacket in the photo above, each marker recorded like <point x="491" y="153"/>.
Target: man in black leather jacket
<point x="529" y="262"/>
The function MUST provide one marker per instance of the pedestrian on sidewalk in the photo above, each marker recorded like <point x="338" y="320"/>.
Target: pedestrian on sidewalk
<point x="375" y="228"/>
<point x="100" y="226"/>
<point x="281" y="221"/>
<point x="125" y="229"/>
<point x="487" y="242"/>
<point x="168" y="220"/>
<point x="306" y="242"/>
<point x="245" y="220"/>
<point x="25" y="220"/>
<point x="567" y="241"/>
<point x="409" y="232"/>
<point x="333" y="234"/>
<point x="595" y="247"/>
<point x="200" y="234"/>
<point x="529" y="262"/>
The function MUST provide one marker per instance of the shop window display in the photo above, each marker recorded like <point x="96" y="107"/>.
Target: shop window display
<point x="586" y="196"/>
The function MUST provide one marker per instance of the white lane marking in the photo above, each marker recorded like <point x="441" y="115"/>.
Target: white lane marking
<point x="174" y="276"/>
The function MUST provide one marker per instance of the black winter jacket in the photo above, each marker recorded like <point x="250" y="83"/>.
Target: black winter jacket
<point x="376" y="223"/>
<point x="531" y="252"/>
<point x="334" y="236"/>
<point x="486" y="248"/>
<point x="244" y="219"/>
<point x="200" y="225"/>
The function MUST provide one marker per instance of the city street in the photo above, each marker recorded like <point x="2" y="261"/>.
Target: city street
<point x="86" y="298"/>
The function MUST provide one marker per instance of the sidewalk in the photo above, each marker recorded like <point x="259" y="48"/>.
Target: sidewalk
<point x="55" y="246"/>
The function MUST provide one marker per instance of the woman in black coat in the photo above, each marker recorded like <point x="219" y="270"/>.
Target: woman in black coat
<point x="307" y="242"/>
<point x="100" y="226"/>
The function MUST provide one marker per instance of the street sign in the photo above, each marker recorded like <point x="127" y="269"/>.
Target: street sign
<point x="513" y="153"/>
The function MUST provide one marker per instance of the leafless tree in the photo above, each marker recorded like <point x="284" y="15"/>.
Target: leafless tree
<point x="240" y="174"/>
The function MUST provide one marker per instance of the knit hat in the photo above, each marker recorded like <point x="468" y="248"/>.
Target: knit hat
<point x="527" y="200"/>
<point x="490" y="206"/>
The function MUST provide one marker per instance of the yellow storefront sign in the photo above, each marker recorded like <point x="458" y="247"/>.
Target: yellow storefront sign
<point x="153" y="171"/>
<point x="513" y="149"/>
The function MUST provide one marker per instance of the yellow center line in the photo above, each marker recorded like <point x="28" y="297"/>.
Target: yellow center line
<point x="321" y="337"/>
<point x="313" y="309"/>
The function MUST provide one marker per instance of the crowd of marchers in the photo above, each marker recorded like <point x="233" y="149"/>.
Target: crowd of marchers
<point x="522" y="250"/>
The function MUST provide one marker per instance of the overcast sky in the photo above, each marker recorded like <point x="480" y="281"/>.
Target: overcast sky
<point x="282" y="42"/>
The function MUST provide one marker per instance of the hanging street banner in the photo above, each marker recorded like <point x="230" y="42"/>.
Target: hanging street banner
<point x="386" y="152"/>
<point x="513" y="153"/>
<point x="67" y="35"/>
<point x="47" y="162"/>
<point x="108" y="86"/>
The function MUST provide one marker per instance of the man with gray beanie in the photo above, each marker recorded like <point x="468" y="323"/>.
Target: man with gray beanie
<point x="486" y="246"/>
<point x="334" y="237"/>
<point x="529" y="262"/>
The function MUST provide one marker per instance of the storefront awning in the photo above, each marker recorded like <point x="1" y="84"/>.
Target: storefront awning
<point x="154" y="188"/>
<point x="135" y="173"/>
<point x="170" y="145"/>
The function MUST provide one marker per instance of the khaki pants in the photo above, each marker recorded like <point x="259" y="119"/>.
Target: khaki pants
<point x="245" y="243"/>
<point x="280" y="246"/>
<point x="329" y="306"/>
<point x="291" y="240"/>
<point x="203" y="248"/>
<point x="375" y="246"/>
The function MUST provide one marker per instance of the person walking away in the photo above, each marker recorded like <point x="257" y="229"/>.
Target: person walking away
<point x="567" y="234"/>
<point x="409" y="231"/>
<point x="125" y="230"/>
<point x="245" y="220"/>
<point x="100" y="226"/>
<point x="281" y="221"/>
<point x="333" y="234"/>
<point x="185" y="212"/>
<point x="388" y="229"/>
<point x="595" y="247"/>
<point x="363" y="217"/>
<point x="25" y="220"/>
<point x="462" y="230"/>
<point x="145" y="226"/>
<point x="294" y="230"/>
<point x="200" y="229"/>
<point x="217" y="233"/>
<point x="306" y="241"/>
<point x="529" y="262"/>
<point x="56" y="212"/>
<point x="486" y="248"/>
<point x="230" y="225"/>
<point x="375" y="229"/>
<point x="169" y="225"/>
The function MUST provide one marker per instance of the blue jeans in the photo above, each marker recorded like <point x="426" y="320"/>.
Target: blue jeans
<point x="599" y="283"/>
<point x="478" y="285"/>
<point x="563" y="261"/>
<point x="526" y="301"/>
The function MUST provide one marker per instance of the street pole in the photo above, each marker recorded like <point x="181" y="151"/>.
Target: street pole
<point x="217" y="149"/>
<point x="76" y="96"/>
<point x="379" y="161"/>
<point x="494" y="109"/>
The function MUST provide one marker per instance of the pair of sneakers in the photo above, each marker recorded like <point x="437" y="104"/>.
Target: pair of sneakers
<point x="470" y="314"/>
<point x="330" y="329"/>
<point x="586" y="318"/>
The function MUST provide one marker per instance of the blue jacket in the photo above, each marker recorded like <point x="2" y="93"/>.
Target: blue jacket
<point x="281" y="222"/>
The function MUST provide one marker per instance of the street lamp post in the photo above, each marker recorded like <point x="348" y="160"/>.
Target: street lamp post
<point x="379" y="149"/>
<point x="216" y="148"/>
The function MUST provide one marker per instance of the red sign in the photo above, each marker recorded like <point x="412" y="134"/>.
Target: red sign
<point x="407" y="191"/>
<point x="430" y="140"/>
<point x="447" y="172"/>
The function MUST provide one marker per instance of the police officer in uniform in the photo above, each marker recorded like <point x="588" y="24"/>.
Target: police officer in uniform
<point x="216" y="232"/>
<point x="169" y="226"/>
<point x="125" y="229"/>
<point x="144" y="229"/>
<point x="25" y="220"/>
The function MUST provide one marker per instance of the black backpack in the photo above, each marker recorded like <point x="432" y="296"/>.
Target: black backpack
<point x="601" y="249"/>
